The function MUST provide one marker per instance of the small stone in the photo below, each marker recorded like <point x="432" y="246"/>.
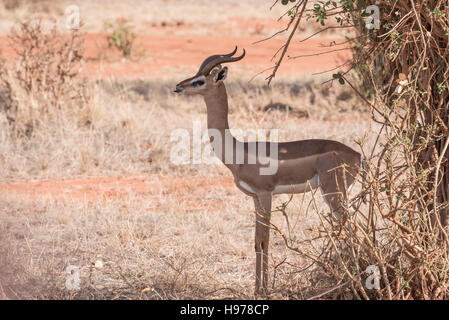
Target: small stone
<point x="98" y="264"/>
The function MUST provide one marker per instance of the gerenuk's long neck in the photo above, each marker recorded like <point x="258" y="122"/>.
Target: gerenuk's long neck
<point x="217" y="108"/>
<point x="222" y="140"/>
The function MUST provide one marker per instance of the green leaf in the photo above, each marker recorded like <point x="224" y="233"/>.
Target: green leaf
<point x="361" y="4"/>
<point x="284" y="2"/>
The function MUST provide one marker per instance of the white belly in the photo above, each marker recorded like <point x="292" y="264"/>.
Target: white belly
<point x="298" y="188"/>
<point x="246" y="187"/>
<point x="288" y="188"/>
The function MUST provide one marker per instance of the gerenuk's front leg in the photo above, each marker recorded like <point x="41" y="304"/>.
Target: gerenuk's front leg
<point x="262" y="205"/>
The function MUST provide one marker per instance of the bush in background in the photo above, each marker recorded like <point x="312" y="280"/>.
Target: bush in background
<point x="121" y="37"/>
<point x="44" y="80"/>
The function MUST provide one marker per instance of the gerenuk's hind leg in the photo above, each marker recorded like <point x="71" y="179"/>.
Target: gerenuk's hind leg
<point x="335" y="182"/>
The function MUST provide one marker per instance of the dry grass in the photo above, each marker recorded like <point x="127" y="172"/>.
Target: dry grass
<point x="165" y="254"/>
<point x="122" y="129"/>
<point x="143" y="13"/>
<point x="116" y="134"/>
<point x="159" y="16"/>
<point x="177" y="254"/>
<point x="173" y="252"/>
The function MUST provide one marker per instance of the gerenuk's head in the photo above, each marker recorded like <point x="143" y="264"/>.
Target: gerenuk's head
<point x="210" y="74"/>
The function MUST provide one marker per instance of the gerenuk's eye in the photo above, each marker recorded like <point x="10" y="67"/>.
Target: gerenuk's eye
<point x="197" y="83"/>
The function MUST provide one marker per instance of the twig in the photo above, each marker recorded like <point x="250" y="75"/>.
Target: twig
<point x="273" y="74"/>
<point x="328" y="291"/>
<point x="319" y="54"/>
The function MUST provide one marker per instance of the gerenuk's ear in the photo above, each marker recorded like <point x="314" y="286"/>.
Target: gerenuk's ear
<point x="221" y="75"/>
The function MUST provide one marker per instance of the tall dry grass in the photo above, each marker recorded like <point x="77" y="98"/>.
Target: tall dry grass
<point x="116" y="128"/>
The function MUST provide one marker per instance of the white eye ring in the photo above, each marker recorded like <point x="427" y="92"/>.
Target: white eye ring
<point x="198" y="82"/>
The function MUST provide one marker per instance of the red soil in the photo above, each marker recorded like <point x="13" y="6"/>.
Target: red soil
<point x="190" y="193"/>
<point x="165" y="52"/>
<point x="177" y="51"/>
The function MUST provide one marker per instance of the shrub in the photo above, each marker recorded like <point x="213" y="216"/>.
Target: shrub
<point x="122" y="37"/>
<point x="44" y="78"/>
<point x="401" y="233"/>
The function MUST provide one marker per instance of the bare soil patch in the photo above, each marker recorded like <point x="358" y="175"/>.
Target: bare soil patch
<point x="192" y="193"/>
<point x="174" y="52"/>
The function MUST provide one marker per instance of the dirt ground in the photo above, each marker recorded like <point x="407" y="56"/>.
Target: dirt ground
<point x="182" y="52"/>
<point x="151" y="186"/>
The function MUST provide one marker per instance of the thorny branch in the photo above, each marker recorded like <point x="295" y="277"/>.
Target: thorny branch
<point x="398" y="221"/>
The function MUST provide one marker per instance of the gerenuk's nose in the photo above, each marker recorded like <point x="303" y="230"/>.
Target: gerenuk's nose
<point x="178" y="89"/>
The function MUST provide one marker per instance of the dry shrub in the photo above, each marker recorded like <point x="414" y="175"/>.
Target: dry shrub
<point x="408" y="173"/>
<point x="44" y="80"/>
<point x="31" y="7"/>
<point x="12" y="4"/>
<point x="396" y="228"/>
